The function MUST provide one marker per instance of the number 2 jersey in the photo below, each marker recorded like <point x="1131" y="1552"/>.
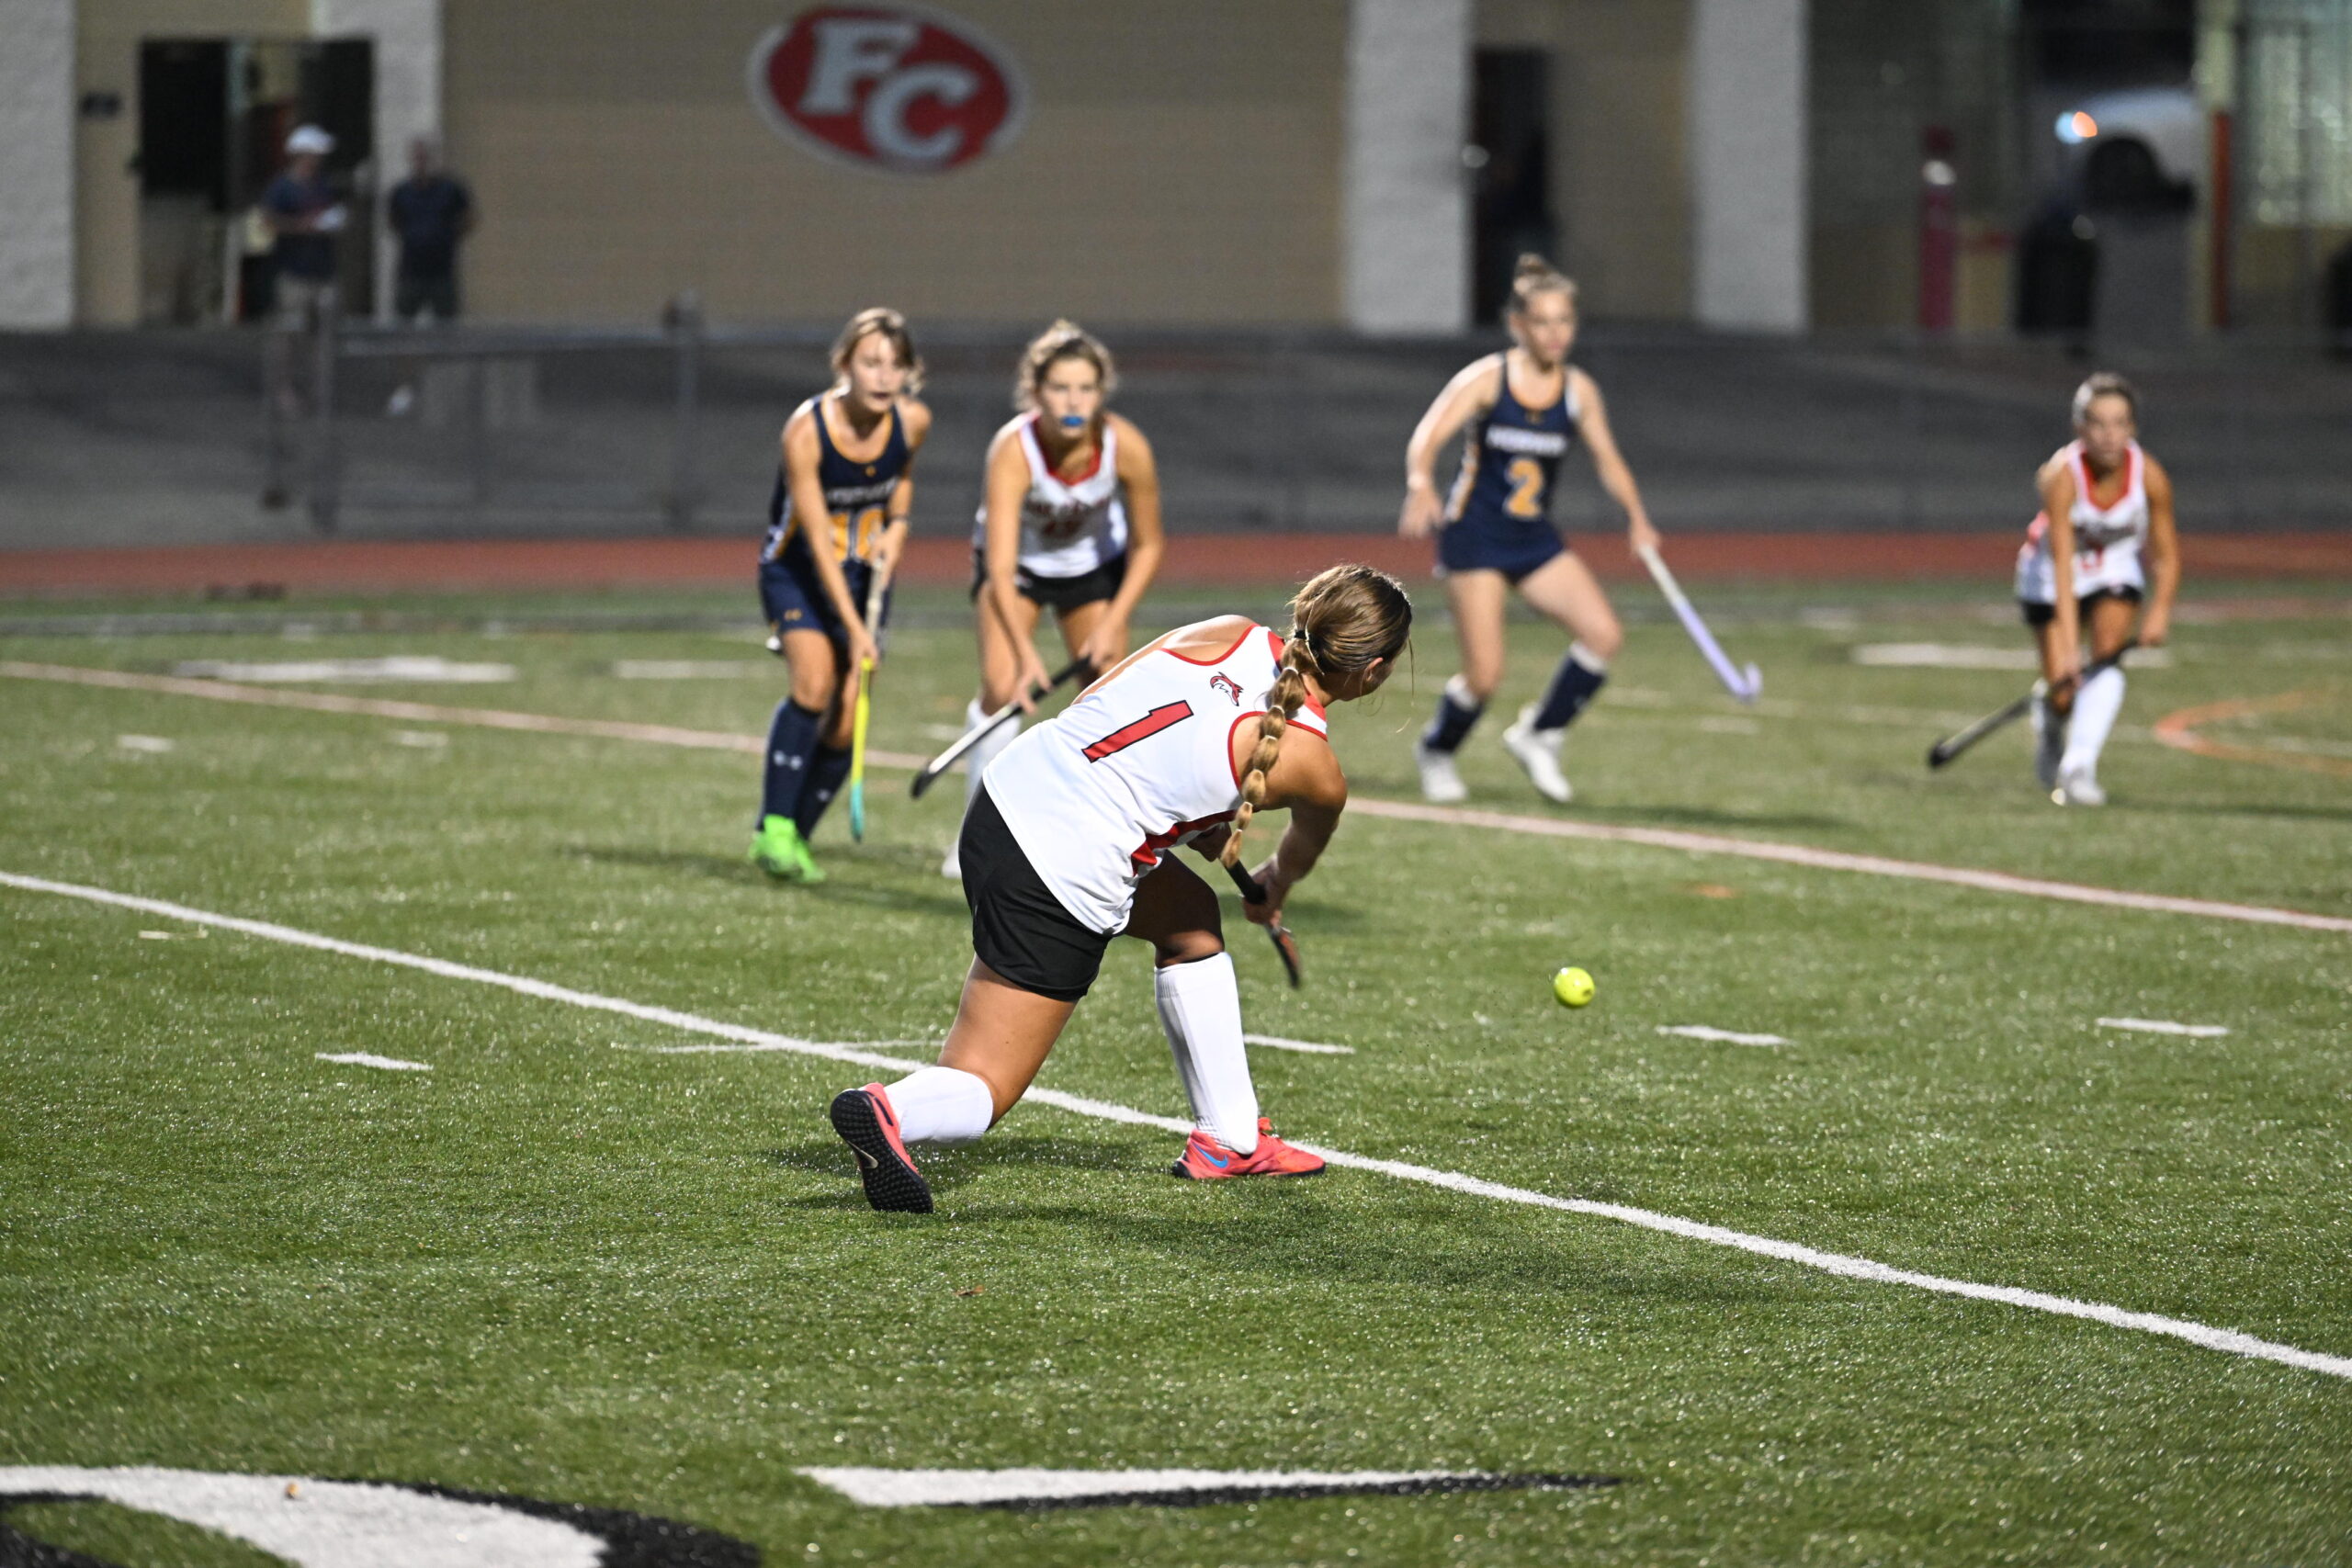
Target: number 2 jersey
<point x="1138" y="764"/>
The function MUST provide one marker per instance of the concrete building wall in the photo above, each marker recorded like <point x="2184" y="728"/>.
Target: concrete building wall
<point x="37" y="107"/>
<point x="1748" y="139"/>
<point x="1408" y="219"/>
<point x="1620" y="178"/>
<point x="1177" y="166"/>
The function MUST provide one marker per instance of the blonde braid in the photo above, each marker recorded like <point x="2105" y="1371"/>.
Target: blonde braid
<point x="1282" y="705"/>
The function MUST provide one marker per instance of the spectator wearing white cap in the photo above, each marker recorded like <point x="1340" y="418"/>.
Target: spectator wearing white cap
<point x="306" y="215"/>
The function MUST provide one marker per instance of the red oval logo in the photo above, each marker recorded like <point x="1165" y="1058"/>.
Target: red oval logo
<point x="888" y="86"/>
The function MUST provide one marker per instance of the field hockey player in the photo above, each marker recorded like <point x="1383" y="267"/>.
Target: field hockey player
<point x="1521" y="408"/>
<point x="2105" y="531"/>
<point x="1067" y="844"/>
<point x="837" y="515"/>
<point x="1070" y="522"/>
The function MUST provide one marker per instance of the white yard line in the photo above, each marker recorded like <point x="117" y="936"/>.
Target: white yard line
<point x="1838" y="860"/>
<point x="369" y="1059"/>
<point x="2227" y="1340"/>
<point x="1399" y="810"/>
<point x="1725" y="1036"/>
<point x="2166" y="1026"/>
<point x="414" y="713"/>
<point x="1034" y="1488"/>
<point x="1305" y="1048"/>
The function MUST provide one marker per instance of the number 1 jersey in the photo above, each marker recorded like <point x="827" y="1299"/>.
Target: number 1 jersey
<point x="1135" y="766"/>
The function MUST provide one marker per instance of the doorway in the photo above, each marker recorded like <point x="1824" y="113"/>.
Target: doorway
<point x="1511" y="156"/>
<point x="213" y="118"/>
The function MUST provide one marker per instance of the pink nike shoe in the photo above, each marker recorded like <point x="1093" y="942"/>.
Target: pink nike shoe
<point x="867" y="1123"/>
<point x="1207" y="1159"/>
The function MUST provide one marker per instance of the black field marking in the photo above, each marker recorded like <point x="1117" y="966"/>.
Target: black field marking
<point x="631" y="1540"/>
<point x="1209" y="1496"/>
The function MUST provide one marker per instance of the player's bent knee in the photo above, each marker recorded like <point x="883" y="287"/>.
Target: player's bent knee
<point x="1604" y="641"/>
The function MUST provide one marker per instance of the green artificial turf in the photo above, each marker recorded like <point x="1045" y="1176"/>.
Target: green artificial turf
<point x="562" y="1266"/>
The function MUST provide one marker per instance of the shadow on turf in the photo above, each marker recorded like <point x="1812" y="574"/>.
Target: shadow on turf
<point x="950" y="1170"/>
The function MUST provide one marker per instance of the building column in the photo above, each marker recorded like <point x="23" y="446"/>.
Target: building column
<point x="407" y="34"/>
<point x="36" y="163"/>
<point x="1747" y="117"/>
<point x="1405" y="244"/>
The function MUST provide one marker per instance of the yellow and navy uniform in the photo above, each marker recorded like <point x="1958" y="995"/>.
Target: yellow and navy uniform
<point x="857" y="499"/>
<point x="1499" y="515"/>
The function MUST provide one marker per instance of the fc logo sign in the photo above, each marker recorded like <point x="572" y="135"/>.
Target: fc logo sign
<point x="887" y="87"/>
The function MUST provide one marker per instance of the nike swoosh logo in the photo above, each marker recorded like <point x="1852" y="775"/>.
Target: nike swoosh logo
<point x="864" y="1158"/>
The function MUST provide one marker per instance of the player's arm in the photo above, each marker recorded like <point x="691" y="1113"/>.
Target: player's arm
<point x="800" y="456"/>
<point x="1147" y="544"/>
<point x="1007" y="482"/>
<point x="2057" y="487"/>
<point x="1616" y="478"/>
<point x="1308" y="782"/>
<point x="1468" y="395"/>
<point x="2163" y="557"/>
<point x="899" y="511"/>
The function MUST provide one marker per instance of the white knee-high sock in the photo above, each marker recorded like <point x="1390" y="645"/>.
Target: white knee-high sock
<point x="942" y="1105"/>
<point x="1200" y="1007"/>
<point x="2096" y="707"/>
<point x="976" y="760"/>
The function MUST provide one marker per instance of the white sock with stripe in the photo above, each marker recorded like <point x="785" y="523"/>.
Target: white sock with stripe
<point x="1200" y="1008"/>
<point x="942" y="1105"/>
<point x="2097" y="706"/>
<point x="976" y="760"/>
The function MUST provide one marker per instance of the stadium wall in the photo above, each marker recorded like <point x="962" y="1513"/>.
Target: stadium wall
<point x="1178" y="166"/>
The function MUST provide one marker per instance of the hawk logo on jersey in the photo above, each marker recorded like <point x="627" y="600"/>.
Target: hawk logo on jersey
<point x="1223" y="683"/>
<point x="887" y="87"/>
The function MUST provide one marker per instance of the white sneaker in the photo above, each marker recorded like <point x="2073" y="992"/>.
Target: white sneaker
<point x="953" y="866"/>
<point x="2078" y="786"/>
<point x="2049" y="742"/>
<point x="1538" y="750"/>
<point x="1440" y="784"/>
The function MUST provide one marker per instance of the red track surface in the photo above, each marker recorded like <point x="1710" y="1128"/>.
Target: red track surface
<point x="352" y="566"/>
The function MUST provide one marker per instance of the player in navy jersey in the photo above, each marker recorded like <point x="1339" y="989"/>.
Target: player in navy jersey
<point x="1522" y="409"/>
<point x="838" y="516"/>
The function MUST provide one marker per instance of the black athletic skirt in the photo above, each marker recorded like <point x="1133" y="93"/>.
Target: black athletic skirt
<point x="1061" y="594"/>
<point x="1019" y="928"/>
<point x="2039" y="615"/>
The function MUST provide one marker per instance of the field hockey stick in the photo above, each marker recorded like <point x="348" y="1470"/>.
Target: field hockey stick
<point x="1747" y="684"/>
<point x="990" y="726"/>
<point x="1285" y="944"/>
<point x="1952" y="745"/>
<point x="874" y="587"/>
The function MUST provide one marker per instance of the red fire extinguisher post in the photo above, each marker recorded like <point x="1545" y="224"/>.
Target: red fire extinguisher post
<point x="1938" y="231"/>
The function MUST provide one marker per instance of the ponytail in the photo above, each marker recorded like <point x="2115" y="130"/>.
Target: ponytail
<point x="1282" y="706"/>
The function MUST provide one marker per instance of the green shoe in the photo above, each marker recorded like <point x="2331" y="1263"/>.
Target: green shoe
<point x="777" y="850"/>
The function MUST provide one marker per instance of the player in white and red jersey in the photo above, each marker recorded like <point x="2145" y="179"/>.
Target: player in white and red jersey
<point x="1069" y="843"/>
<point x="2105" y="531"/>
<point x="1070" y="522"/>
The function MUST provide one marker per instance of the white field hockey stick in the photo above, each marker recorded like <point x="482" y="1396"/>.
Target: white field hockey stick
<point x="1746" y="684"/>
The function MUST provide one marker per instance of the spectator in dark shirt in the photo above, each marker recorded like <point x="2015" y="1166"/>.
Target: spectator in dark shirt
<point x="430" y="211"/>
<point x="428" y="214"/>
<point x="306" y="215"/>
